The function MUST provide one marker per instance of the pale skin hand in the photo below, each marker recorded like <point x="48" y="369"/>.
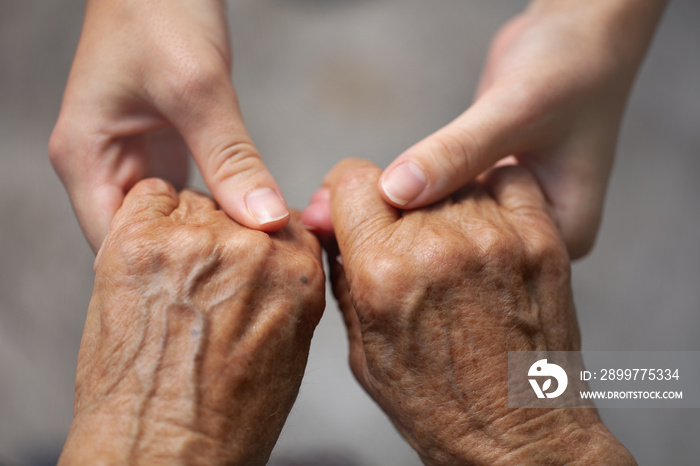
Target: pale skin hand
<point x="150" y="80"/>
<point x="552" y="93"/>
<point x="433" y="300"/>
<point x="196" y="337"/>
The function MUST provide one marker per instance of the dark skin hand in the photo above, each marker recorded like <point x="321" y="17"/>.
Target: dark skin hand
<point x="434" y="299"/>
<point x="197" y="335"/>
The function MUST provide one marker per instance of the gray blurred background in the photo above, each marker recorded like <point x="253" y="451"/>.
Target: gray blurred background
<point x="319" y="81"/>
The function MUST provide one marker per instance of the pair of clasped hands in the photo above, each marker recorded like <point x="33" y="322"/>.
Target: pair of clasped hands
<point x="198" y="331"/>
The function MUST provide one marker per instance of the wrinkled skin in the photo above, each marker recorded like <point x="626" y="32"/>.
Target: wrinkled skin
<point x="196" y="337"/>
<point x="434" y="299"/>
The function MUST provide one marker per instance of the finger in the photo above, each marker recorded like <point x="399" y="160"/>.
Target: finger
<point x="316" y="217"/>
<point x="211" y="124"/>
<point x="341" y="292"/>
<point x="576" y="193"/>
<point x="169" y="157"/>
<point x="95" y="208"/>
<point x="358" y="212"/>
<point x="149" y="199"/>
<point x="97" y="169"/>
<point x="517" y="190"/>
<point x="453" y="156"/>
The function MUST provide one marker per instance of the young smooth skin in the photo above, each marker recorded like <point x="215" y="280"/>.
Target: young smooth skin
<point x="150" y="80"/>
<point x="434" y="299"/>
<point x="196" y="337"/>
<point x="552" y="93"/>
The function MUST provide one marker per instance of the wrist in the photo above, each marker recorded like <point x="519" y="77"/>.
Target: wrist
<point x="114" y="439"/>
<point x="624" y="27"/>
<point x="559" y="436"/>
<point x="99" y="439"/>
<point x="121" y="434"/>
<point x="554" y="437"/>
<point x="563" y="443"/>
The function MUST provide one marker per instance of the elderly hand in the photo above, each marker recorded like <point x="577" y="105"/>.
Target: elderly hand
<point x="150" y="80"/>
<point x="552" y="93"/>
<point x="196" y="337"/>
<point x="433" y="300"/>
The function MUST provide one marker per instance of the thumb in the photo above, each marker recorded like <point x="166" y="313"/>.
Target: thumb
<point x="149" y="199"/>
<point x="517" y="190"/>
<point x="231" y="166"/>
<point x="453" y="156"/>
<point x="358" y="214"/>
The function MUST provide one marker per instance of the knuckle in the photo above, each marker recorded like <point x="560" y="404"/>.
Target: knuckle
<point x="198" y="78"/>
<point x="152" y="186"/>
<point x="498" y="247"/>
<point x="547" y="252"/>
<point x="490" y="241"/>
<point x="254" y="248"/>
<point x="377" y="283"/>
<point x="234" y="159"/>
<point x="262" y="247"/>
<point x="150" y="195"/>
<point x="138" y="250"/>
<point x="58" y="147"/>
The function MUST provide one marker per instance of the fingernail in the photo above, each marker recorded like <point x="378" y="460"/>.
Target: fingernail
<point x="404" y="183"/>
<point x="265" y="205"/>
